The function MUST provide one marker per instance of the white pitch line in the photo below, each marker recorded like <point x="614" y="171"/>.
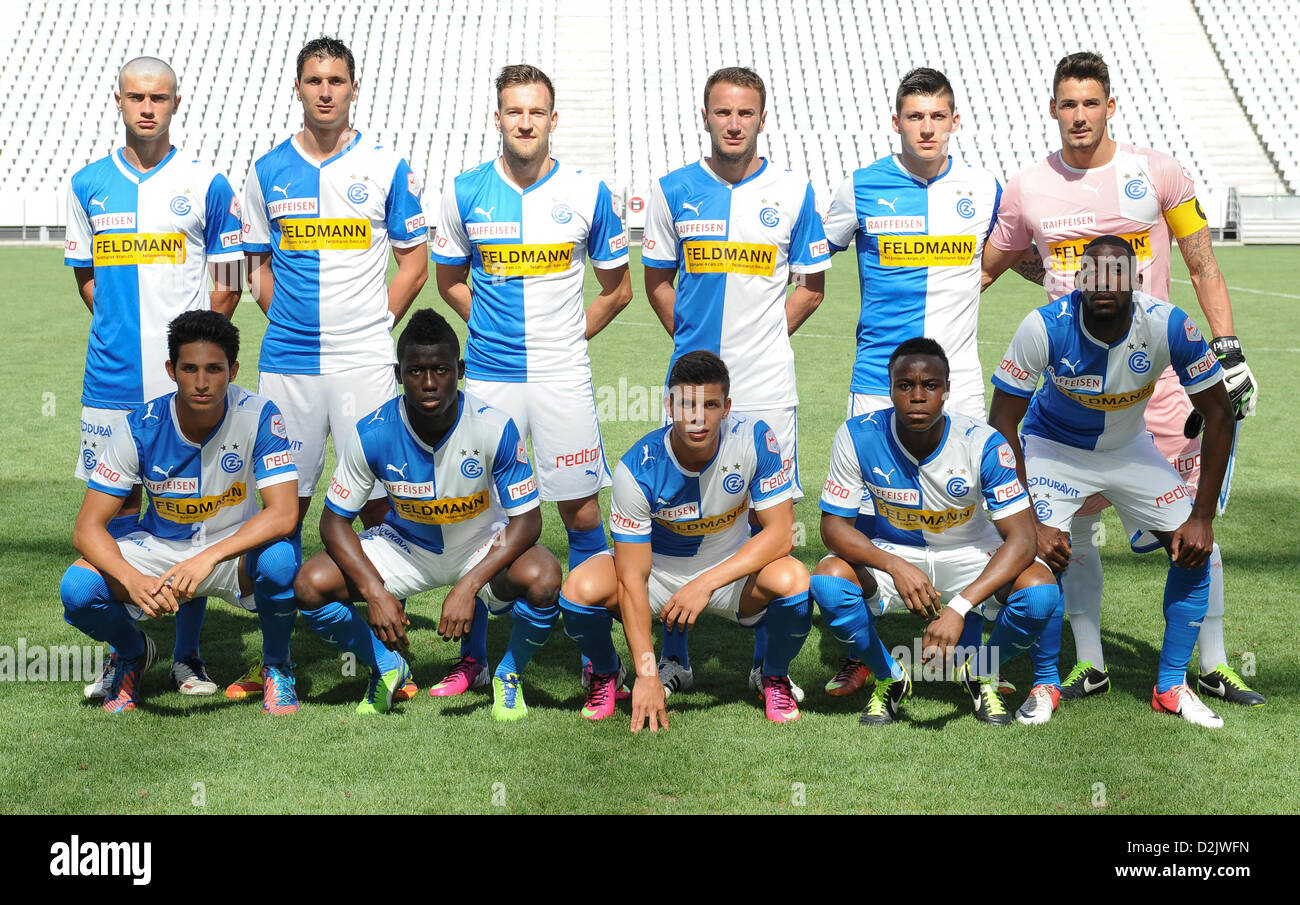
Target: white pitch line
<point x="1281" y="295"/>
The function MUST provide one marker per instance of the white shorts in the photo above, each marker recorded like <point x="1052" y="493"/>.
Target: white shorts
<point x="409" y="569"/>
<point x="725" y="601"/>
<point x="316" y="406"/>
<point x="155" y="555"/>
<point x="785" y="424"/>
<point x="950" y="571"/>
<point x="1146" y="491"/>
<point x="97" y="427"/>
<point x="568" y="455"/>
<point x="965" y="400"/>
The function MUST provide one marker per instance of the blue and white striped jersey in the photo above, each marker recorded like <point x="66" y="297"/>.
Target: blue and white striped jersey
<point x="935" y="502"/>
<point x="329" y="228"/>
<point x="150" y="237"/>
<point x="527" y="250"/>
<point x="919" y="246"/>
<point x="450" y="498"/>
<point x="734" y="248"/>
<point x="1095" y="394"/>
<point x="206" y="488"/>
<point x="699" y="516"/>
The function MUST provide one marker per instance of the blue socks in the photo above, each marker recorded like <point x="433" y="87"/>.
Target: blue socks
<point x="589" y="627"/>
<point x="475" y="643"/>
<point x="341" y="625"/>
<point x="189" y="624"/>
<point x="1046" y="651"/>
<point x="852" y="622"/>
<point x="789" y="620"/>
<point x="585" y="544"/>
<point x="675" y="644"/>
<point x="273" y="568"/>
<point x="88" y="605"/>
<point x="1020" y="622"/>
<point x="532" y="627"/>
<point x="1187" y="598"/>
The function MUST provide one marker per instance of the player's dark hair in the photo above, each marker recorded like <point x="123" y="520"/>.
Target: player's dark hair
<point x="1115" y="242"/>
<point x="202" y="327"/>
<point x="327" y="48"/>
<point x="927" y="83"/>
<point x="1079" y="66"/>
<point x="741" y="76"/>
<point x="522" y="74"/>
<point x="428" y="328"/>
<point x="698" y="368"/>
<point x="920" y="345"/>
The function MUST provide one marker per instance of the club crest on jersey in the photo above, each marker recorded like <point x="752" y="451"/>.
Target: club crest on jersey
<point x="733" y="483"/>
<point x="1135" y="189"/>
<point x="1139" y="363"/>
<point x="1043" y="510"/>
<point x="561" y="213"/>
<point x="1192" y="332"/>
<point x="772" y="445"/>
<point x="1006" y="457"/>
<point x="769" y="216"/>
<point x="357" y="193"/>
<point x="88" y="459"/>
<point x="231" y="463"/>
<point x="965" y="208"/>
<point x="471" y="468"/>
<point x="180" y="205"/>
<point x="958" y="487"/>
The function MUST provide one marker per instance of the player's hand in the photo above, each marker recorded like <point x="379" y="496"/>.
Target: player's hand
<point x="385" y="614"/>
<point x="648" y="703"/>
<point x="1243" y="391"/>
<point x="1191" y="544"/>
<point x="186" y="577"/>
<point x="152" y="596"/>
<point x="1054" y="547"/>
<point x="684" y="607"/>
<point x="914" y="587"/>
<point x="457" y="613"/>
<point x="941" y="635"/>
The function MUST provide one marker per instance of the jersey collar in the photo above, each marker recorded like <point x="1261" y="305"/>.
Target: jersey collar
<point x="176" y="422"/>
<point x="139" y="176"/>
<point x="898" y="444"/>
<point x="324" y="163"/>
<point x="406" y="422"/>
<point x="668" y="445"/>
<point x="720" y="181"/>
<point x="918" y="179"/>
<point x="505" y="177"/>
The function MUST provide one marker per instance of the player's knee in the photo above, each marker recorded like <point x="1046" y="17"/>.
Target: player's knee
<point x="541" y="577"/>
<point x="834" y="567"/>
<point x="1037" y="574"/>
<point x="1039" y="601"/>
<point x="788" y="577"/>
<point x="584" y="586"/>
<point x="275" y="566"/>
<point x="310" y="583"/>
<point x="79" y="589"/>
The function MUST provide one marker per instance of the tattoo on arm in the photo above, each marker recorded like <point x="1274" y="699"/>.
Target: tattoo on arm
<point x="1198" y="252"/>
<point x="1031" y="268"/>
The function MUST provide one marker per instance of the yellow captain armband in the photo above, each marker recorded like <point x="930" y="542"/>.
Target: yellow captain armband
<point x="1186" y="218"/>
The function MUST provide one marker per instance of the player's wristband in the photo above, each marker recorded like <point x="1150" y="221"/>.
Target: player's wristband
<point x="1228" y="350"/>
<point x="960" y="605"/>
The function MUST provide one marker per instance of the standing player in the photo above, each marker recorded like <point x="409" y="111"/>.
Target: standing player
<point x="524" y="225"/>
<point x="723" y="239"/>
<point x="147" y="225"/>
<point x="682" y="545"/>
<point x="1092" y="186"/>
<point x="1098" y="350"/>
<point x="464" y="513"/>
<point x="204" y="452"/>
<point x="918" y="220"/>
<point x="323" y="210"/>
<point x="934" y="551"/>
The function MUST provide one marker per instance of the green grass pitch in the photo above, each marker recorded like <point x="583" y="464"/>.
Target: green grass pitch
<point x="191" y="755"/>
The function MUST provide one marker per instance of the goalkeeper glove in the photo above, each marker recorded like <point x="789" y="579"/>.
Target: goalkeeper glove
<point x="1237" y="380"/>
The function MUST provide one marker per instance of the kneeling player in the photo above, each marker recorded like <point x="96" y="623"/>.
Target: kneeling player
<point x="199" y="452"/>
<point x="455" y="471"/>
<point x="679" y="519"/>
<point x="934" y="552"/>
<point x="1100" y="350"/>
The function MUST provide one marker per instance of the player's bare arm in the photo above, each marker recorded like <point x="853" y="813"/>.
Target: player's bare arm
<point x="453" y="286"/>
<point x="412" y="274"/>
<point x="1208" y="281"/>
<point x="85" y="277"/>
<point x="277" y="518"/>
<point x="384" y="613"/>
<point x="521" y="532"/>
<point x="662" y="294"/>
<point x="996" y="262"/>
<point x="99" y="550"/>
<point x="227" y="277"/>
<point x="615" y="293"/>
<point x="1031" y="267"/>
<point x="632" y="566"/>
<point x="809" y="290"/>
<point x="843" y="539"/>
<point x="1005" y="415"/>
<point x="1191" y="544"/>
<point x="261" y="279"/>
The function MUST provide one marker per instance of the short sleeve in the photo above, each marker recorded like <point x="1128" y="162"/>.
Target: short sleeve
<point x="1026" y="358"/>
<point x="1193" y="361"/>
<point x="844" y="486"/>
<point x="659" y="245"/>
<point x="809" y="250"/>
<point x="118" y="468"/>
<point x="450" y="241"/>
<point x="607" y="241"/>
<point x="1003" y="493"/>
<point x="1011" y="232"/>
<point x="78" y="240"/>
<point x="223" y="222"/>
<point x="630" y="517"/>
<point x="771" y="483"/>
<point x="997" y="206"/>
<point x="842" y="219"/>
<point x="352" y="481"/>
<point x="513" y="473"/>
<point x="257" y="228"/>
<point x="272" y="458"/>
<point x="403" y="211"/>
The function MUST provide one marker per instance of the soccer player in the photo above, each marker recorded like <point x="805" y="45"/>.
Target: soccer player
<point x="525" y="225"/>
<point x="201" y="452"/>
<point x="464" y="513"/>
<point x="724" y="237"/>
<point x="928" y="472"/>
<point x="1098" y="351"/>
<point x="323" y="210"/>
<point x="1095" y="185"/>
<point x="682" y="545"/>
<point x="147" y="225"/>
<point x="919" y="221"/>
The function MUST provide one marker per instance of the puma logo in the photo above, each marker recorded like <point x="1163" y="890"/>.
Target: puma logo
<point x="693" y="208"/>
<point x="875" y="469"/>
<point x="401" y="472"/>
<point x="94" y="201"/>
<point x="646" y="455"/>
<point x="486" y="213"/>
<point x="1072" y="366"/>
<point x="888" y="204"/>
<point x="283" y="191"/>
